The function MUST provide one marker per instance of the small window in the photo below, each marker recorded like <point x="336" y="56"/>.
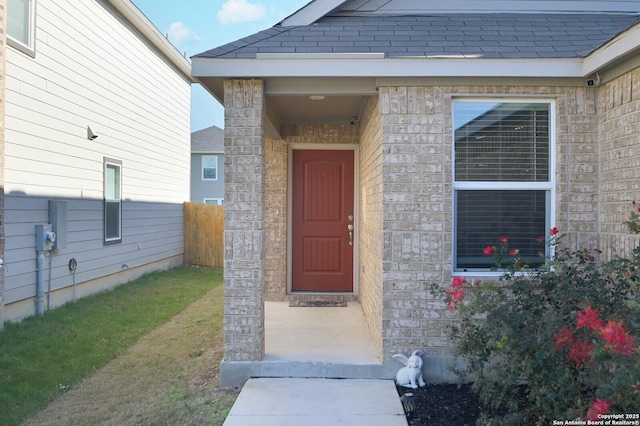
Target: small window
<point x="503" y="181"/>
<point x="214" y="201"/>
<point x="209" y="167"/>
<point x="112" y="201"/>
<point x="21" y="25"/>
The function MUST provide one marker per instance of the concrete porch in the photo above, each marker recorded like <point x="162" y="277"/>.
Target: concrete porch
<point x="312" y="342"/>
<point x="337" y="335"/>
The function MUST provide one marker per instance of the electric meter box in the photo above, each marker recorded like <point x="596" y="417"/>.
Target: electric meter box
<point x="58" y="221"/>
<point x="45" y="238"/>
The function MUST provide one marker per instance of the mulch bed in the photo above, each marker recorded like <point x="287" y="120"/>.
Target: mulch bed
<point x="443" y="404"/>
<point x="450" y="404"/>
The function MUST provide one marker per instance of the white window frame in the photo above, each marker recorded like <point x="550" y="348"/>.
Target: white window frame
<point x="28" y="48"/>
<point x="111" y="163"/>
<point x="217" y="168"/>
<point x="217" y="201"/>
<point x="549" y="186"/>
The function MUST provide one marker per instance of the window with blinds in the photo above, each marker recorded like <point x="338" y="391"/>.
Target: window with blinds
<point x="502" y="180"/>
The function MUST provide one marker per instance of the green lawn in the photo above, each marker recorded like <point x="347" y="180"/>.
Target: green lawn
<point x="42" y="356"/>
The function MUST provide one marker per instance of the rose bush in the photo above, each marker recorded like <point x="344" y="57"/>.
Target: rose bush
<point x="554" y="343"/>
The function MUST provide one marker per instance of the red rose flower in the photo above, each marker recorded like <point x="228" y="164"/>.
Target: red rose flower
<point x="554" y="231"/>
<point x="513" y="252"/>
<point x="452" y="305"/>
<point x="489" y="250"/>
<point x="458" y="282"/>
<point x="504" y="240"/>
<point x="458" y="295"/>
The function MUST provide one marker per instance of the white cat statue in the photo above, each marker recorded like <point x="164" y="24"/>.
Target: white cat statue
<point x="410" y="376"/>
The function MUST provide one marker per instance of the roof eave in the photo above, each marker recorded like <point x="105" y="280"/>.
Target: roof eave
<point x="310" y="13"/>
<point x="149" y="31"/>
<point x="326" y="66"/>
<point x="621" y="46"/>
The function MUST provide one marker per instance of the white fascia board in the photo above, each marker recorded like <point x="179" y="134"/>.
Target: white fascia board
<point x="311" y="12"/>
<point x="615" y="49"/>
<point x="149" y="31"/>
<point x="389" y="67"/>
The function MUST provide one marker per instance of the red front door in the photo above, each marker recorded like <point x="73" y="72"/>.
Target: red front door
<point x="323" y="200"/>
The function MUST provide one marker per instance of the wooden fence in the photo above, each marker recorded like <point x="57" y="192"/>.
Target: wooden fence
<point x="203" y="234"/>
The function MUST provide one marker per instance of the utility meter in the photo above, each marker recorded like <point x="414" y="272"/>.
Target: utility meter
<point x="45" y="238"/>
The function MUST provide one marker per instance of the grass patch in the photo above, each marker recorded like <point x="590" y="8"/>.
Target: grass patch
<point x="42" y="357"/>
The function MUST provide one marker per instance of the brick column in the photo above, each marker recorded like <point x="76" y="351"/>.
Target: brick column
<point x="244" y="220"/>
<point x="416" y="169"/>
<point x="3" y="50"/>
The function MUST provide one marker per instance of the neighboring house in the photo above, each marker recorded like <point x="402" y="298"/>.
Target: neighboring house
<point x="207" y="166"/>
<point x="97" y="111"/>
<point x="433" y="128"/>
<point x="3" y="52"/>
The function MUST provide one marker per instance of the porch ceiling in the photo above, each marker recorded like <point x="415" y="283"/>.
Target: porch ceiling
<point x="302" y="109"/>
<point x="288" y="99"/>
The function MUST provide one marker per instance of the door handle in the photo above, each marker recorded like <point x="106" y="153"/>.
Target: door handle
<point x="350" y="228"/>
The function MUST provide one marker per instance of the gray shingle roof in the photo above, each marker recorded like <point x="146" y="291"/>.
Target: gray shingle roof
<point x="487" y="35"/>
<point x="209" y="140"/>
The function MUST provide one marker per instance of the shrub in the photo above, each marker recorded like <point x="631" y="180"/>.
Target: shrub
<point x="556" y="343"/>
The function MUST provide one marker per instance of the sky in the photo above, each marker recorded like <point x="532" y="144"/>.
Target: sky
<point x="195" y="26"/>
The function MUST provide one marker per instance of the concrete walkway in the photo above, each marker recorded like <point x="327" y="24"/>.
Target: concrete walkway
<point x="317" y="402"/>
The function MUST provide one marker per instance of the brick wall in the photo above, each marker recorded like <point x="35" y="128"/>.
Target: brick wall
<point x="619" y="109"/>
<point x="275" y="282"/>
<point x="371" y="221"/>
<point x="244" y="220"/>
<point x="417" y="199"/>
<point x="416" y="205"/>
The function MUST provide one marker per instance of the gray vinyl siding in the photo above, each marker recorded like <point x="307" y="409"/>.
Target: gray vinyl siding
<point x="51" y="99"/>
<point x="201" y="189"/>
<point x="150" y="232"/>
